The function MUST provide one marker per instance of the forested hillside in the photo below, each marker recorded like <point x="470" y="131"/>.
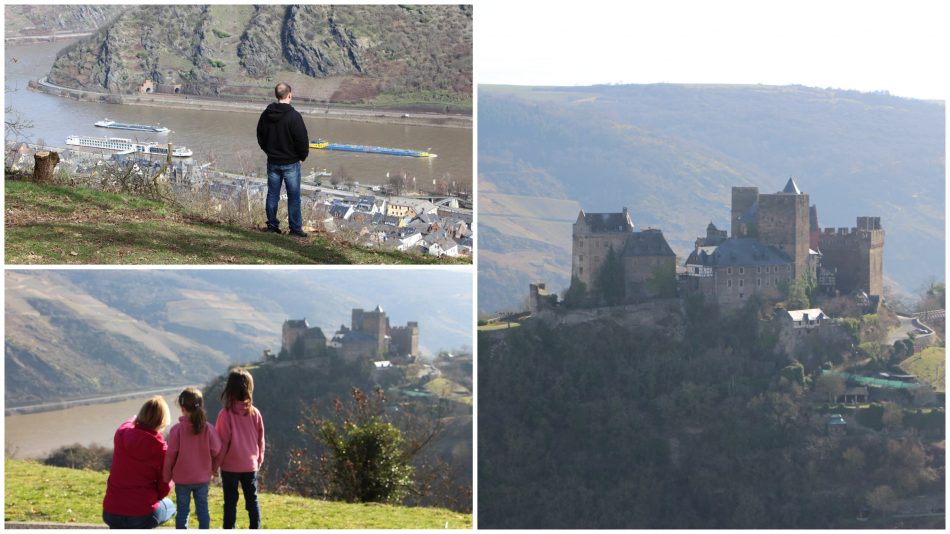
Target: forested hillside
<point x="671" y="153"/>
<point x="604" y="425"/>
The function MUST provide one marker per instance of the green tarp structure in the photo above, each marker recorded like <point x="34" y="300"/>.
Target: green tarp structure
<point x="871" y="381"/>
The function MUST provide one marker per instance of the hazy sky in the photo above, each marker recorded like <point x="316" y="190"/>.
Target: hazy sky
<point x="900" y="47"/>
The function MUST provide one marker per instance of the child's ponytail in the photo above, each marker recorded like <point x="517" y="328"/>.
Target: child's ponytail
<point x="191" y="400"/>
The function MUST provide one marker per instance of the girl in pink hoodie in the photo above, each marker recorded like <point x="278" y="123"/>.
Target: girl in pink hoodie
<point x="193" y="450"/>
<point x="241" y="430"/>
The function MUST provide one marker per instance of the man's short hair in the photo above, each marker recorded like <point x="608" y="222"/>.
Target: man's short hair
<point x="282" y="90"/>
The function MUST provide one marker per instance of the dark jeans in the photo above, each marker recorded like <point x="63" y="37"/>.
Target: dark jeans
<point x="290" y="176"/>
<point x="183" y="494"/>
<point x="164" y="512"/>
<point x="248" y="483"/>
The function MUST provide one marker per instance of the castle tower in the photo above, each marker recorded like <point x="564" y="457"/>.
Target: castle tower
<point x="291" y="332"/>
<point x="745" y="201"/>
<point x="857" y="254"/>
<point x="594" y="234"/>
<point x="373" y="323"/>
<point x="783" y="222"/>
<point x="872" y="247"/>
<point x="405" y="339"/>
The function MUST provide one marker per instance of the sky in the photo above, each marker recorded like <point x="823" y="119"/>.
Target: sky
<point x="899" y="47"/>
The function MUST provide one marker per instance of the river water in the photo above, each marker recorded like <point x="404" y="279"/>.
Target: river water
<point x="228" y="138"/>
<point x="35" y="435"/>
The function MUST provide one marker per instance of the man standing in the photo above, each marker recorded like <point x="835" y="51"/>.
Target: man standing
<point x="282" y="135"/>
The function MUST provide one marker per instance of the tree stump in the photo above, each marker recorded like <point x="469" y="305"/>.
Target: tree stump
<point x="45" y="162"/>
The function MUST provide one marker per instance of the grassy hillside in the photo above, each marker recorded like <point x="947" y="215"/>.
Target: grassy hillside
<point x="48" y="224"/>
<point x="671" y="153"/>
<point x="929" y="365"/>
<point x="61" y="341"/>
<point x="34" y="492"/>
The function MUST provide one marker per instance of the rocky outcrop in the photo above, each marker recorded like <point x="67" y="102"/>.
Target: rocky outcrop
<point x="332" y="49"/>
<point x="27" y="20"/>
<point x="362" y="51"/>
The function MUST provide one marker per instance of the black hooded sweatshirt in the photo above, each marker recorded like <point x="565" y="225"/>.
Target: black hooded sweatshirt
<point x="282" y="134"/>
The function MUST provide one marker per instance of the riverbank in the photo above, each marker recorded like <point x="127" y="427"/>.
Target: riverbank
<point x="90" y="401"/>
<point x="190" y="102"/>
<point x="49" y="38"/>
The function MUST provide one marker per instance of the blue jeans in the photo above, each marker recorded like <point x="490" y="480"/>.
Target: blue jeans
<point x="290" y="176"/>
<point x="183" y="494"/>
<point x="164" y="512"/>
<point x="248" y="481"/>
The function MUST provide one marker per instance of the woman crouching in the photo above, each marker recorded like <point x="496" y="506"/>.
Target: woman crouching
<point x="136" y="495"/>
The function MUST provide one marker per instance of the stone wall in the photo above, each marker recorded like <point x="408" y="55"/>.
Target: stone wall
<point x="590" y="252"/>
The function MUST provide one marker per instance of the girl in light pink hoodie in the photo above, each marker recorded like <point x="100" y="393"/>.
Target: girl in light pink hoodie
<point x="241" y="430"/>
<point x="193" y="449"/>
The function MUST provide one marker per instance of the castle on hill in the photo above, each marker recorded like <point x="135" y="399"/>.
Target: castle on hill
<point x="370" y="336"/>
<point x="775" y="240"/>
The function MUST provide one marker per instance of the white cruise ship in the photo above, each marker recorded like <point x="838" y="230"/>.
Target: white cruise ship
<point x="127" y="145"/>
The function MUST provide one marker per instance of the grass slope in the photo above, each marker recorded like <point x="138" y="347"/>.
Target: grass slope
<point x="930" y="365"/>
<point x="48" y="224"/>
<point x="39" y="493"/>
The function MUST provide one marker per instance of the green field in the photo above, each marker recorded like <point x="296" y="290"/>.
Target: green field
<point x="49" y="224"/>
<point x="39" y="493"/>
<point x="930" y="366"/>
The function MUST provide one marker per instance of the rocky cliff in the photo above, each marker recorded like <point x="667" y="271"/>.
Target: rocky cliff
<point x="38" y="20"/>
<point x="383" y="54"/>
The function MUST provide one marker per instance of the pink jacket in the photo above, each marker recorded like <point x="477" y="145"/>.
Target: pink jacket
<point x="191" y="459"/>
<point x="242" y="439"/>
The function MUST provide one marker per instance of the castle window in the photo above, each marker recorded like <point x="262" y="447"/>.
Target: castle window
<point x="741" y="270"/>
<point x="580" y="270"/>
<point x="728" y="270"/>
<point x="758" y="269"/>
<point x="728" y="283"/>
<point x="741" y="295"/>
<point x="776" y="282"/>
<point x="741" y="282"/>
<point x="758" y="282"/>
<point x="766" y="282"/>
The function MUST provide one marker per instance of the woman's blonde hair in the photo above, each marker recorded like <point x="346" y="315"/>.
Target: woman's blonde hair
<point x="154" y="414"/>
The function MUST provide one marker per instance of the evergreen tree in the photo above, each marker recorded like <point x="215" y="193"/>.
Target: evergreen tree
<point x="609" y="283"/>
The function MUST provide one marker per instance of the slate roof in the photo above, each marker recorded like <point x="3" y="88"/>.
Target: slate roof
<point x="338" y="211"/>
<point x="315" y="333"/>
<point x="740" y="251"/>
<point x="608" y="222"/>
<point x="647" y="243"/>
<point x="294" y="323"/>
<point x="355" y="337"/>
<point x="792" y="187"/>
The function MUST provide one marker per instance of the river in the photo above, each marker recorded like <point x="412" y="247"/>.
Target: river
<point x="228" y="138"/>
<point x="35" y="435"/>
